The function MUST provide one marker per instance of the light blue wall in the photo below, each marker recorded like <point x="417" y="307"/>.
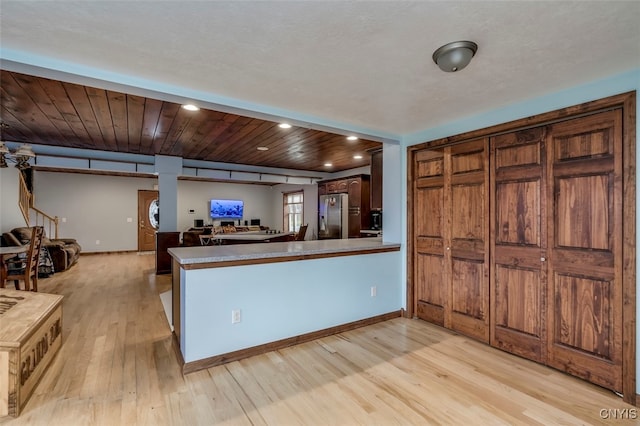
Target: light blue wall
<point x="287" y="299"/>
<point x="596" y="90"/>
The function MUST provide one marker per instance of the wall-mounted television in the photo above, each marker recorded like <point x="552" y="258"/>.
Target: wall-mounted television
<point x="226" y="209"/>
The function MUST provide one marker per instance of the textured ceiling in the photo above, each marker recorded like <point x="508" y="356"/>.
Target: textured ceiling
<point x="363" y="65"/>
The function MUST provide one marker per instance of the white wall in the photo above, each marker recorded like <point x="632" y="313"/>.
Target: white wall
<point x="195" y="195"/>
<point x="93" y="207"/>
<point x="10" y="215"/>
<point x="96" y="207"/>
<point x="310" y="209"/>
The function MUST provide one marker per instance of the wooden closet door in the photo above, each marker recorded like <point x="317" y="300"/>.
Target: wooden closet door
<point x="451" y="237"/>
<point x="519" y="243"/>
<point x="467" y="251"/>
<point x="430" y="266"/>
<point x="585" y="260"/>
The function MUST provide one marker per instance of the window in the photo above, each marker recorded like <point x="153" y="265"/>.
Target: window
<point x="293" y="207"/>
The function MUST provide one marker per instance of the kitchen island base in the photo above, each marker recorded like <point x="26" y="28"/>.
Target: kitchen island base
<point x="231" y="302"/>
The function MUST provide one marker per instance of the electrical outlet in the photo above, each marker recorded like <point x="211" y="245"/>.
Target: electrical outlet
<point x="129" y="220"/>
<point x="374" y="291"/>
<point x="236" y="316"/>
<point x="97" y="242"/>
<point x="64" y="220"/>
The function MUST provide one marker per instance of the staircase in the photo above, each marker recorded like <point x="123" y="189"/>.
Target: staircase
<point x="40" y="218"/>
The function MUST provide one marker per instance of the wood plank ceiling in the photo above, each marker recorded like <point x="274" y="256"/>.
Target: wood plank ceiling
<point x="42" y="111"/>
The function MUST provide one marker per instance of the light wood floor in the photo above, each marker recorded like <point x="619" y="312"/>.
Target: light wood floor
<point x="117" y="367"/>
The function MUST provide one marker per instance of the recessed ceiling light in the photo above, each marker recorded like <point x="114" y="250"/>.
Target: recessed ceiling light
<point x="190" y="107"/>
<point x="328" y="164"/>
<point x="263" y="148"/>
<point x="284" y="125"/>
<point x="357" y="157"/>
<point x="352" y="138"/>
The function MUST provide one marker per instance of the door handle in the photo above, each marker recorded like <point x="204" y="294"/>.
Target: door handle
<point x="542" y="259"/>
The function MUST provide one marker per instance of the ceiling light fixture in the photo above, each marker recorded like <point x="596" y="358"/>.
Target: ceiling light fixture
<point x="20" y="156"/>
<point x="455" y="56"/>
<point x="352" y="138"/>
<point x="263" y="148"/>
<point x="357" y="157"/>
<point x="284" y="125"/>
<point x="328" y="164"/>
<point x="190" y="107"/>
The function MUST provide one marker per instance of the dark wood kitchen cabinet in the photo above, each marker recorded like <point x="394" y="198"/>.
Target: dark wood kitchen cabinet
<point x="376" y="180"/>
<point x="357" y="187"/>
<point x="165" y="241"/>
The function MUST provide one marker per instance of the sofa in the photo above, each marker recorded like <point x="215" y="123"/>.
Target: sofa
<point x="64" y="252"/>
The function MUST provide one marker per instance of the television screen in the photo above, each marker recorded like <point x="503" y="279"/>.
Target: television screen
<point x="226" y="209"/>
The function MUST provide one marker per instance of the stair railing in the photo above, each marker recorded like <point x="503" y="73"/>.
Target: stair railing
<point x="50" y="223"/>
<point x="24" y="198"/>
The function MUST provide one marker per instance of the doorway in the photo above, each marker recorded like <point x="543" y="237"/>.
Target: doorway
<point x="148" y="219"/>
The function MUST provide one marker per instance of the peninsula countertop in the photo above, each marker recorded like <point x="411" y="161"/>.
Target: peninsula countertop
<point x="246" y="254"/>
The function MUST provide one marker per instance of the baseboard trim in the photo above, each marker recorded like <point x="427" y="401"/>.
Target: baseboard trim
<point x="176" y="349"/>
<point x="94" y="253"/>
<point x="213" y="361"/>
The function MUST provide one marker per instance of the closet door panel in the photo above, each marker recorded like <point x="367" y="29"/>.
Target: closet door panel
<point x="429" y="224"/>
<point x="432" y="295"/>
<point x="518" y="243"/>
<point x="468" y="248"/>
<point x="582" y="212"/>
<point x="517" y="317"/>
<point x="585" y="268"/>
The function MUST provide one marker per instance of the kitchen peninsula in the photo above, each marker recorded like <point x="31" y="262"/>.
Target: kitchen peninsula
<point x="230" y="302"/>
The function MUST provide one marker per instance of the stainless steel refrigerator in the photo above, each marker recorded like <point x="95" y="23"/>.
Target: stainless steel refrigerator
<point x="333" y="216"/>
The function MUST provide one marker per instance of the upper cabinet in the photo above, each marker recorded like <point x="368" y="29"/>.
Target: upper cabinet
<point x="337" y="186"/>
<point x="376" y="180"/>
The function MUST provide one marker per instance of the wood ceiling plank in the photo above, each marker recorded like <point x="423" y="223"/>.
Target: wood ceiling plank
<point x="59" y="97"/>
<point x="199" y="141"/>
<point x="118" y="108"/>
<point x="150" y="122"/>
<point x="167" y="115"/>
<point x="35" y="87"/>
<point x="23" y="107"/>
<point x="278" y="146"/>
<point x="16" y="131"/>
<point x="232" y="148"/>
<point x="274" y="138"/>
<point x="135" y="119"/>
<point x="192" y="135"/>
<point x="219" y="137"/>
<point x="93" y="108"/>
<point x="178" y="126"/>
